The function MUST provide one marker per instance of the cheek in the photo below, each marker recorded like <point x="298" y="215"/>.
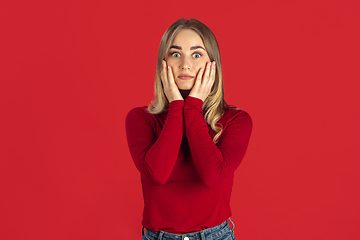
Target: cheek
<point x="170" y="61"/>
<point x="172" y="64"/>
<point x="199" y="65"/>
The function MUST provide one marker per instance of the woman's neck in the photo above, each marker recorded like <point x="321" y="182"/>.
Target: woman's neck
<point x="184" y="93"/>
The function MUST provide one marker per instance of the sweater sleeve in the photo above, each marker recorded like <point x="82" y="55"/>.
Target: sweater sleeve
<point x="215" y="162"/>
<point x="154" y="156"/>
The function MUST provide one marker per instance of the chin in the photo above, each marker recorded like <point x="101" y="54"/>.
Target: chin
<point x="185" y="86"/>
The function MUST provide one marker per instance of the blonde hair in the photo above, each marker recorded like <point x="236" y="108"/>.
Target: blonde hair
<point x="214" y="104"/>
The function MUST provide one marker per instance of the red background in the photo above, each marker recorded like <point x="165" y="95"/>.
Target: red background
<point x="71" y="70"/>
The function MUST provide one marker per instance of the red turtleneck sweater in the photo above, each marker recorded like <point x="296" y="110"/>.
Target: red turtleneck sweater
<point x="186" y="178"/>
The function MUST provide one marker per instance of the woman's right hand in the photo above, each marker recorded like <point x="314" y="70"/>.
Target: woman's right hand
<point x="171" y="90"/>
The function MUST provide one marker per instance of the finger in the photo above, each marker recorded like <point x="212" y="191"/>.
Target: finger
<point x="206" y="76"/>
<point x="212" y="72"/>
<point x="164" y="74"/>
<point x="199" y="77"/>
<point x="170" y="76"/>
<point x="211" y="81"/>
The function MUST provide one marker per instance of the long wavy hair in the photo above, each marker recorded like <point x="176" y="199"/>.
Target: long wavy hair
<point x="214" y="104"/>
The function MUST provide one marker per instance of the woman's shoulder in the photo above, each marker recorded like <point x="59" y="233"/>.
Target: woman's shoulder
<point x="138" y="112"/>
<point x="141" y="113"/>
<point x="232" y="112"/>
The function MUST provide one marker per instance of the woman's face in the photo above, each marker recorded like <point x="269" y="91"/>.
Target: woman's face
<point x="186" y="56"/>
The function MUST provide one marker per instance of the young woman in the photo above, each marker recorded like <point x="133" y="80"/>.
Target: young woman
<point x="189" y="142"/>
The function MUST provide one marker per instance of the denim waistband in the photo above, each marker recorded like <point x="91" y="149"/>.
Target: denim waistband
<point x="200" y="235"/>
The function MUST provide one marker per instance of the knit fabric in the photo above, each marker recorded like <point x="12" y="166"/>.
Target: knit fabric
<point x="186" y="178"/>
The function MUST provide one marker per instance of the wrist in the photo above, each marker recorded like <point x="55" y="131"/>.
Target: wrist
<point x="194" y="102"/>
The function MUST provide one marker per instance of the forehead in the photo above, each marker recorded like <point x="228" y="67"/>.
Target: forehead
<point x="187" y="37"/>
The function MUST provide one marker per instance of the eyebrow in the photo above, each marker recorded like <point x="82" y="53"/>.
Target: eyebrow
<point x="192" y="48"/>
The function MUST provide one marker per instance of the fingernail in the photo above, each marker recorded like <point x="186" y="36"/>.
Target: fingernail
<point x="168" y="67"/>
<point x="209" y="64"/>
<point x="214" y="63"/>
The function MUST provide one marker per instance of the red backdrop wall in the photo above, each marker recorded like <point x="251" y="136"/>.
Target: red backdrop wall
<point x="71" y="70"/>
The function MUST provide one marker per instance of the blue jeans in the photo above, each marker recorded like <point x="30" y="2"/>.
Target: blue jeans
<point x="220" y="232"/>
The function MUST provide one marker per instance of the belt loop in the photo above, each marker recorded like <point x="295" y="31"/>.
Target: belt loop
<point x="142" y="230"/>
<point x="232" y="224"/>
<point x="202" y="235"/>
<point x="160" y="235"/>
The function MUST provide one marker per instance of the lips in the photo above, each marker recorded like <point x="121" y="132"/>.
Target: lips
<point x="185" y="77"/>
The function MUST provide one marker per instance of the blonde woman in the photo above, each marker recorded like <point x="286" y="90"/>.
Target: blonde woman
<point x="189" y="142"/>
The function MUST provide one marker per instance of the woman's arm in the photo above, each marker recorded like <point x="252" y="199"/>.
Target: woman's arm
<point x="213" y="162"/>
<point x="153" y="156"/>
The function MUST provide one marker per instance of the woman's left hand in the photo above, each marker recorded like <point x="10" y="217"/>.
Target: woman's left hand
<point x="204" y="82"/>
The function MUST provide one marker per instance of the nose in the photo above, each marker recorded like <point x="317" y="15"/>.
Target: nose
<point x="185" y="64"/>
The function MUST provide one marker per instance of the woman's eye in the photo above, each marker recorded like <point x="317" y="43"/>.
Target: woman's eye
<point x="196" y="55"/>
<point x="175" y="54"/>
